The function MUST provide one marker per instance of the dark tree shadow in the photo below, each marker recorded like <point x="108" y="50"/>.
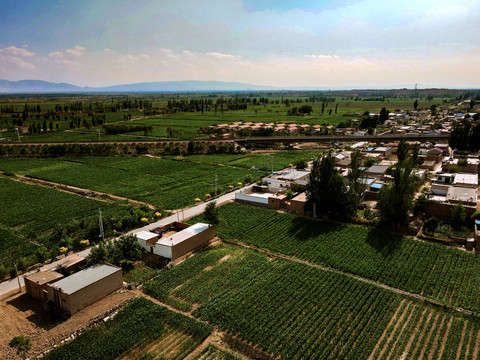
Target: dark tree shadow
<point x="305" y="229"/>
<point x="384" y="242"/>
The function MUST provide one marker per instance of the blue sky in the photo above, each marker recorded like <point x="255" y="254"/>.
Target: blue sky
<point x="328" y="44"/>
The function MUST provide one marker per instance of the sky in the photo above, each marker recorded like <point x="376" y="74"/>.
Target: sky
<point x="325" y="44"/>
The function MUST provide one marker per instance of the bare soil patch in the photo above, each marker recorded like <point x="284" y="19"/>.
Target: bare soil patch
<point x="22" y="315"/>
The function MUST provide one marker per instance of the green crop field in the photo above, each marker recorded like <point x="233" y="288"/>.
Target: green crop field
<point x="297" y="311"/>
<point x="28" y="211"/>
<point x="443" y="273"/>
<point x="141" y="328"/>
<point x="33" y="209"/>
<point x="167" y="184"/>
<point x="263" y="160"/>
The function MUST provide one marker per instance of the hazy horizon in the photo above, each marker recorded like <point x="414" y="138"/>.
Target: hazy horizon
<point x="341" y="44"/>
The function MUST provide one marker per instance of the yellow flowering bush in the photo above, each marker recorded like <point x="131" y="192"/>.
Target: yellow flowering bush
<point x="144" y="219"/>
<point x="158" y="214"/>
<point x="63" y="249"/>
<point x="84" y="243"/>
<point x="198" y="199"/>
<point x="208" y="196"/>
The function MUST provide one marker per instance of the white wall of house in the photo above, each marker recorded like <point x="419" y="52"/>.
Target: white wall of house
<point x="163" y="250"/>
<point x="250" y="198"/>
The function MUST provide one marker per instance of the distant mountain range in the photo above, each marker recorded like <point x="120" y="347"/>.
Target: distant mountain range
<point x="40" y="86"/>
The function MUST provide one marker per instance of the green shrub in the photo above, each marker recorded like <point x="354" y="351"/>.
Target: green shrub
<point x="431" y="225"/>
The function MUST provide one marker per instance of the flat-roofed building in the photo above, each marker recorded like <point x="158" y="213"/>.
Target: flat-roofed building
<point x="36" y="284"/>
<point x="297" y="204"/>
<point x="376" y="171"/>
<point x="470" y="180"/>
<point x="77" y="291"/>
<point x="176" y="239"/>
<point x="71" y="264"/>
<point x="465" y="195"/>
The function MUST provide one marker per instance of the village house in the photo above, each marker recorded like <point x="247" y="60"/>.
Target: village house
<point x="176" y="239"/>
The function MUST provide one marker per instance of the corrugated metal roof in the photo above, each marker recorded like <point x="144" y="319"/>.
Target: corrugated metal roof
<point x="83" y="278"/>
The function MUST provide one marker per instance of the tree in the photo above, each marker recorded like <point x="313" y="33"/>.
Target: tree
<point x="415" y="104"/>
<point x="301" y="164"/>
<point x="327" y="191"/>
<point x="129" y="247"/>
<point x="211" y="214"/>
<point x="118" y="252"/>
<point x="383" y="115"/>
<point x="354" y="177"/>
<point x="396" y="198"/>
<point x="402" y="150"/>
<point x="22" y="344"/>
<point x="98" y="254"/>
<point x="305" y="109"/>
<point x="292" y="111"/>
<point x="458" y="215"/>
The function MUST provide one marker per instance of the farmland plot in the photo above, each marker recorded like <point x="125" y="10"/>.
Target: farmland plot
<point x="29" y="211"/>
<point x="433" y="270"/>
<point x="280" y="160"/>
<point x="299" y="312"/>
<point x="167" y="184"/>
<point x="141" y="330"/>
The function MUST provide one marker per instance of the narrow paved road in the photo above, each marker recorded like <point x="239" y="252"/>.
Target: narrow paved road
<point x="12" y="285"/>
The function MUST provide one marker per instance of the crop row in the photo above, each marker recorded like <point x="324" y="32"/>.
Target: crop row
<point x="281" y="159"/>
<point x="140" y="322"/>
<point x="289" y="309"/>
<point x="13" y="247"/>
<point x="297" y="311"/>
<point x="440" y="272"/>
<point x="33" y="208"/>
<point x="164" y="183"/>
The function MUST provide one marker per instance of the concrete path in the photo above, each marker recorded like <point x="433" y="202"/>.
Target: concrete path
<point x="179" y="215"/>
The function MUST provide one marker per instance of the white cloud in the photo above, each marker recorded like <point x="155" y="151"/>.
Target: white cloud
<point x="14" y="51"/>
<point x="169" y="53"/>
<point x="129" y="58"/>
<point x="16" y="59"/>
<point x="218" y="55"/>
<point x="76" y="51"/>
<point x="322" y="56"/>
<point x="56" y="55"/>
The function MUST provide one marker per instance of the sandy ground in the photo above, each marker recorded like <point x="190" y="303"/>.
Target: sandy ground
<point x="22" y="315"/>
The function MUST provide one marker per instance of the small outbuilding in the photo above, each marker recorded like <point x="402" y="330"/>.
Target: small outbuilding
<point x="71" y="264"/>
<point x="36" y="284"/>
<point x="75" y="292"/>
<point x="176" y="239"/>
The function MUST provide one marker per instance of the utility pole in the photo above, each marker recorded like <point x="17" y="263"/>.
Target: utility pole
<point x="18" y="278"/>
<point x="100" y="223"/>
